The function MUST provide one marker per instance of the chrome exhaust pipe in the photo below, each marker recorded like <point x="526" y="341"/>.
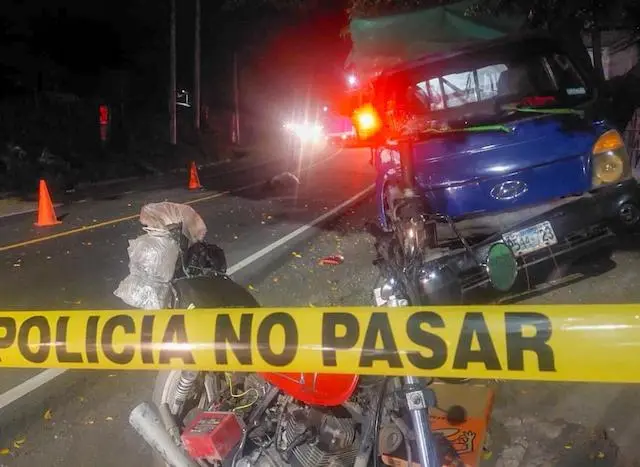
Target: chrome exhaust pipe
<point x="146" y="421"/>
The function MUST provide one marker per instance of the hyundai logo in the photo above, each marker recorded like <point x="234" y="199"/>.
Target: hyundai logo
<point x="509" y="190"/>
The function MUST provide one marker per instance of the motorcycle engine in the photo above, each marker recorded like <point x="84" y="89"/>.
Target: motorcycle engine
<point x="315" y="438"/>
<point x="309" y="437"/>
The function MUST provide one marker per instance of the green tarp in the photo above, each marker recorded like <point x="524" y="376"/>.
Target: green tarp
<point x="388" y="40"/>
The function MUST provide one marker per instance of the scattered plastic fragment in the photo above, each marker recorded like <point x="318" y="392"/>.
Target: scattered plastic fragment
<point x="333" y="260"/>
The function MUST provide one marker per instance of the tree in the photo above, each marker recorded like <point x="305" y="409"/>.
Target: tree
<point x="355" y="8"/>
<point x="555" y="15"/>
<point x="591" y="16"/>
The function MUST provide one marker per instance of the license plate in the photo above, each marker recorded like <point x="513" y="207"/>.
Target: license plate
<point x="531" y="239"/>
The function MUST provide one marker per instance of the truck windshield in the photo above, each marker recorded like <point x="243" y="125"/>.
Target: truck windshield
<point x="490" y="86"/>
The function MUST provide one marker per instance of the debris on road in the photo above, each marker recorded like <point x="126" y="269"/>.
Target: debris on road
<point x="332" y="260"/>
<point x="19" y="442"/>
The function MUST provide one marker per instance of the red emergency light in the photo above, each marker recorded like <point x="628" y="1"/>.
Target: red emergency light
<point x="103" y="114"/>
<point x="367" y="121"/>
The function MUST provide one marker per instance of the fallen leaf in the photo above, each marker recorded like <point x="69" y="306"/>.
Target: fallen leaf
<point x="18" y="443"/>
<point x="297" y="255"/>
<point x="568" y="446"/>
<point x="600" y="455"/>
<point x="89" y="422"/>
<point x="250" y="287"/>
<point x="486" y="455"/>
<point x="48" y="415"/>
<point x="109" y="419"/>
<point x="4" y="451"/>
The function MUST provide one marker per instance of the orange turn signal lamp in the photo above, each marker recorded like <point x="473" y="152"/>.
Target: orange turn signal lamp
<point x="609" y="141"/>
<point x="367" y="121"/>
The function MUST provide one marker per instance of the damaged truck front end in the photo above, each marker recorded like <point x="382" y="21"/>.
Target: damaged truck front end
<point x="502" y="147"/>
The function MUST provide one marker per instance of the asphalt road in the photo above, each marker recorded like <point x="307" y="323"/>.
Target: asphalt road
<point x="80" y="418"/>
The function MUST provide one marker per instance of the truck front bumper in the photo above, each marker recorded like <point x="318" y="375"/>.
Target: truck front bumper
<point x="581" y="225"/>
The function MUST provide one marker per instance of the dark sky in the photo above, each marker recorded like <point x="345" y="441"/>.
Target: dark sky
<point x="86" y="38"/>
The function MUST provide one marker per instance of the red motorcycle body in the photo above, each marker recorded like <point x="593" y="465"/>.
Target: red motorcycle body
<point x="314" y="388"/>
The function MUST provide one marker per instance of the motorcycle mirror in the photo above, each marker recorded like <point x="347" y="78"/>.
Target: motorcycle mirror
<point x="502" y="267"/>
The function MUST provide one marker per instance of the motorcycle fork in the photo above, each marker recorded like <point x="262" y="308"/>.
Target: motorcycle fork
<point x="419" y="400"/>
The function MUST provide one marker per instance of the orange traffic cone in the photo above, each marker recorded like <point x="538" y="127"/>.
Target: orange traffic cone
<point x="194" y="179"/>
<point x="46" y="215"/>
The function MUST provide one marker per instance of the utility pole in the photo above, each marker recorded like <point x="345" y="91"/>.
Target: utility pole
<point x="196" y="84"/>
<point x="236" y="95"/>
<point x="172" y="75"/>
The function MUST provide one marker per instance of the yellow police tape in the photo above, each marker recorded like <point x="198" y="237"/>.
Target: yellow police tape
<point x="556" y="343"/>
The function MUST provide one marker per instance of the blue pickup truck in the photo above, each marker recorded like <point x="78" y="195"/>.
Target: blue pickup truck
<point x="506" y="147"/>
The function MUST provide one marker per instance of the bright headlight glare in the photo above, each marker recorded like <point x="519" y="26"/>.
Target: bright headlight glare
<point x="307" y="132"/>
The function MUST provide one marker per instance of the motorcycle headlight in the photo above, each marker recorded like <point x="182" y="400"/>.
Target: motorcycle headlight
<point x="610" y="160"/>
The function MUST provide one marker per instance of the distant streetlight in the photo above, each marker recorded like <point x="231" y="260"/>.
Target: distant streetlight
<point x="325" y="109"/>
<point x="352" y="80"/>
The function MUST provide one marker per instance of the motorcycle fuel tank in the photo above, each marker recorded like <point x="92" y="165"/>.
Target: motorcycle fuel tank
<point x="313" y="388"/>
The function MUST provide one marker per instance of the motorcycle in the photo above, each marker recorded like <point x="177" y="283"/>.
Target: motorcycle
<point x="275" y="419"/>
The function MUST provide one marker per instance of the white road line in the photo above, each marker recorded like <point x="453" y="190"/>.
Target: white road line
<point x="28" y="386"/>
<point x="269" y="248"/>
<point x="9" y="397"/>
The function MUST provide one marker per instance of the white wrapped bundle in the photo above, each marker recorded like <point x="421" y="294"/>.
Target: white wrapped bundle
<point x="152" y="262"/>
<point x="138" y="292"/>
<point x="153" y="256"/>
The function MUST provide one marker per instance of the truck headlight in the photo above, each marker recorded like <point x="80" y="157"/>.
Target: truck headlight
<point x="610" y="160"/>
